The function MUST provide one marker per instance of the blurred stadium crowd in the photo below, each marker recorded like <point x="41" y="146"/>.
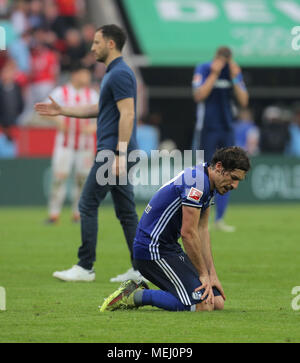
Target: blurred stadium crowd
<point x="51" y="35"/>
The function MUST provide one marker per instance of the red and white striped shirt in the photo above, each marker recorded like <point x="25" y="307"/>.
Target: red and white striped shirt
<point x="73" y="137"/>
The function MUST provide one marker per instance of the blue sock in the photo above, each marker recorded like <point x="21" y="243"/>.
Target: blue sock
<point x="163" y="299"/>
<point x="221" y="205"/>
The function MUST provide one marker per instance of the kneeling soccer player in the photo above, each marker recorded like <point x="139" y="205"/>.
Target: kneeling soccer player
<point x="187" y="280"/>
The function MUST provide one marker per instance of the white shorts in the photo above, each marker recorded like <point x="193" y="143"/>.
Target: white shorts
<point x="64" y="159"/>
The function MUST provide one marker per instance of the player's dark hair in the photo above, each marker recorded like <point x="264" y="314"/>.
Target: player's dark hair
<point x="115" y="33"/>
<point x="224" y="52"/>
<point x="76" y="67"/>
<point x="232" y="157"/>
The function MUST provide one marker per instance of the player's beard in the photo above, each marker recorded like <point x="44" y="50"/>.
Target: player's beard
<point x="223" y="189"/>
<point x="102" y="56"/>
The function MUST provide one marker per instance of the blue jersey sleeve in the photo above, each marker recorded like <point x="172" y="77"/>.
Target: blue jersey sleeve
<point x="192" y="197"/>
<point x="200" y="74"/>
<point x="240" y="81"/>
<point x="122" y="85"/>
<point x="191" y="192"/>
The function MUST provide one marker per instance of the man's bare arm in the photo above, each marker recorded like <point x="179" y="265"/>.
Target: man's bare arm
<point x="202" y="92"/>
<point x="241" y="94"/>
<point x="194" y="247"/>
<point x="126" y="121"/>
<point x="54" y="109"/>
<point x="191" y="239"/>
<point x="205" y="237"/>
<point x="207" y="251"/>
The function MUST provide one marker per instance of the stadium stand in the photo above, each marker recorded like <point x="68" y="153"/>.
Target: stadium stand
<point x="47" y="37"/>
<point x="42" y="36"/>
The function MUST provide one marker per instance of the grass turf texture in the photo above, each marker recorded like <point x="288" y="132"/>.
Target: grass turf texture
<point x="258" y="267"/>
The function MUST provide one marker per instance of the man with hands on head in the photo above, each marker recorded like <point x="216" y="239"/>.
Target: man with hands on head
<point x="215" y="85"/>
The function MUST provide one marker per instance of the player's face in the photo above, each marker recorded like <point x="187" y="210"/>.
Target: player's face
<point x="84" y="78"/>
<point x="81" y="78"/>
<point x="100" y="47"/>
<point x="228" y="180"/>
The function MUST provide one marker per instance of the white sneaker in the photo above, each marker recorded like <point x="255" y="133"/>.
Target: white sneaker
<point x="220" y="225"/>
<point x="76" y="273"/>
<point x="130" y="274"/>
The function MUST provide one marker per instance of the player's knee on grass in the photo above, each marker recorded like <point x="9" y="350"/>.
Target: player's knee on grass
<point x="204" y="306"/>
<point x="218" y="303"/>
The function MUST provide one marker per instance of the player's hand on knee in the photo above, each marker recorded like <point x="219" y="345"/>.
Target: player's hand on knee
<point x="215" y="282"/>
<point x="208" y="295"/>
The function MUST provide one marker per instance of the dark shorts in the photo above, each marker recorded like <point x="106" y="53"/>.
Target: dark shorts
<point x="175" y="274"/>
<point x="211" y="140"/>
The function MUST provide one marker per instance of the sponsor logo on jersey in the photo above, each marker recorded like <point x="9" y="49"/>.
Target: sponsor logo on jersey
<point x="195" y="195"/>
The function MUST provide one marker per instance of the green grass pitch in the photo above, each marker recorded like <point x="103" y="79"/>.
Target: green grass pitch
<point x="258" y="266"/>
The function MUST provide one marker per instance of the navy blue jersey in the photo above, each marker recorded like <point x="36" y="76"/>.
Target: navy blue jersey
<point x="118" y="83"/>
<point x="159" y="227"/>
<point x="215" y="112"/>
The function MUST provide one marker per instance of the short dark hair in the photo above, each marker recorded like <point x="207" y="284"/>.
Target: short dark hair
<point x="224" y="52"/>
<point x="232" y="157"/>
<point x="77" y="66"/>
<point x="114" y="32"/>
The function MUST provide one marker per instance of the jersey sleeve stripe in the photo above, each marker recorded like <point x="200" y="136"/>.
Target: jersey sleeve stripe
<point x="192" y="205"/>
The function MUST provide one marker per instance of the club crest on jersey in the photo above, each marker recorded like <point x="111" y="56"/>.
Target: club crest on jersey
<point x="195" y="195"/>
<point x="197" y="295"/>
<point x="148" y="208"/>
